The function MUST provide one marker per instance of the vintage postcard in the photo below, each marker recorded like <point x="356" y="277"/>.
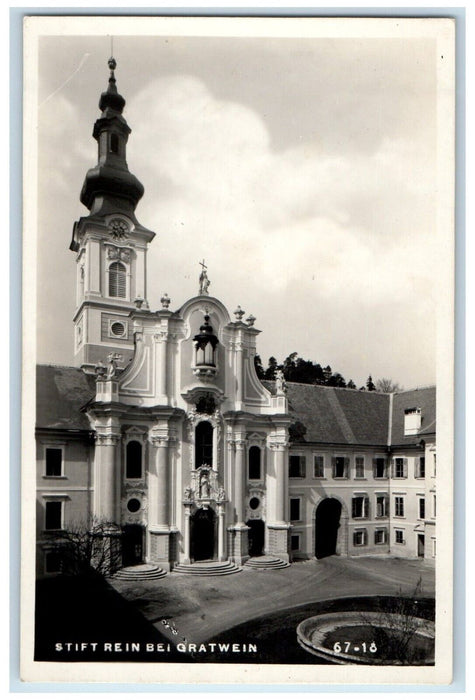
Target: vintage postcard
<point x="238" y="350"/>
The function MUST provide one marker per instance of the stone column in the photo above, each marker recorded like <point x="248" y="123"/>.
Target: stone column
<point x="107" y="478"/>
<point x="280" y="477"/>
<point x="158" y="499"/>
<point x="159" y="484"/>
<point x="221" y="532"/>
<point x="278" y="530"/>
<point x="239" y="477"/>
<point x="186" y="534"/>
<point x="107" y="499"/>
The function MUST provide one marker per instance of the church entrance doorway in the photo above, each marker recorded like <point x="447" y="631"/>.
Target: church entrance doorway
<point x="203" y="534"/>
<point x="256" y="537"/>
<point x="132" y="545"/>
<point x="327" y="522"/>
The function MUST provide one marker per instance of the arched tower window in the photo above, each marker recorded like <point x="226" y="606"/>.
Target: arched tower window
<point x="117" y="280"/>
<point x="114" y="143"/>
<point x="203" y="444"/>
<point x="254" y="462"/>
<point x="133" y="457"/>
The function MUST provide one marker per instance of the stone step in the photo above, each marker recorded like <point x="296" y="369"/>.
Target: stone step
<point x="266" y="562"/>
<point x="212" y="568"/>
<point x="141" y="572"/>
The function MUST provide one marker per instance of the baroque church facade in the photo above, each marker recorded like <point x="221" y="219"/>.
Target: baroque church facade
<point x="163" y="432"/>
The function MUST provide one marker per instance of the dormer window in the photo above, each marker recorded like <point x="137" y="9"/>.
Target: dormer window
<point x="205" y="359"/>
<point x="412" y="421"/>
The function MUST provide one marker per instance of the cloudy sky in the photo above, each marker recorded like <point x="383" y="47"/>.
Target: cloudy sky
<point x="302" y="170"/>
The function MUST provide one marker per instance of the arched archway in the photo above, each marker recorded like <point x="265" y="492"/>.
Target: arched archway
<point x="203" y="534"/>
<point x="256" y="537"/>
<point x="327" y="523"/>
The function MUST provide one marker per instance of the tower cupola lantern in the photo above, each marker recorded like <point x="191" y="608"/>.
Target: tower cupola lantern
<point x="205" y="350"/>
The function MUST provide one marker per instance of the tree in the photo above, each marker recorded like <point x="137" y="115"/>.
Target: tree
<point x="351" y="384"/>
<point x="369" y="384"/>
<point x="85" y="547"/>
<point x="260" y="371"/>
<point x="272" y="368"/>
<point x="387" y="386"/>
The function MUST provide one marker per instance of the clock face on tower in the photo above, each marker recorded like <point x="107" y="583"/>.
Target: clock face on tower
<point x="118" y="229"/>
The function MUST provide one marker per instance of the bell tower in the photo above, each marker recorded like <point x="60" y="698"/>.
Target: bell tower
<point x="110" y="244"/>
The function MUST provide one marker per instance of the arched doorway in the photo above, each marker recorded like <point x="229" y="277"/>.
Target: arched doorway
<point x="256" y="537"/>
<point x="203" y="534"/>
<point x="327" y="522"/>
<point x="132" y="545"/>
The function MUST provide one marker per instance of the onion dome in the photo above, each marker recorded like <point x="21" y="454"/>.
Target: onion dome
<point x="111" y="98"/>
<point x="109" y="184"/>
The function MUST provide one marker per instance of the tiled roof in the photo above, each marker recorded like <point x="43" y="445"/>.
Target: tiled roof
<point x="61" y="392"/>
<point x="343" y="416"/>
<point x="425" y="399"/>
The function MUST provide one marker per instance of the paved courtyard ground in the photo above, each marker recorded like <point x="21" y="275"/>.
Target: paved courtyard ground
<point x="201" y="608"/>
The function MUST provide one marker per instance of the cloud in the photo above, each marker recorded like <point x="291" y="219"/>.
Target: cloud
<point x="296" y="228"/>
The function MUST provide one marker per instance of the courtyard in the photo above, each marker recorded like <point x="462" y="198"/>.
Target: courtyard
<point x="201" y="608"/>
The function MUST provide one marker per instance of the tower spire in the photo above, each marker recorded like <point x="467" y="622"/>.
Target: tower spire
<point x="109" y="185"/>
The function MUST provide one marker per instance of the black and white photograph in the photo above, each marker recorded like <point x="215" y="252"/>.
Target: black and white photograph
<point x="237" y="419"/>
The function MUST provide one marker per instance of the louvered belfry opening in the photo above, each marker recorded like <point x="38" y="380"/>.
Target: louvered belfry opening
<point x="117" y="280"/>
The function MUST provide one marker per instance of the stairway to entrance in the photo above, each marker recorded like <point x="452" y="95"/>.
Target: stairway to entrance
<point x="208" y="568"/>
<point x="266" y="561"/>
<point x="139" y="572"/>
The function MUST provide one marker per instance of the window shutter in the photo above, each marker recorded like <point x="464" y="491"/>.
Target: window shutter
<point x="346" y="463"/>
<point x="386" y="505"/>
<point x="365" y="535"/>
<point x="366" y="507"/>
<point x="353" y="508"/>
<point x="333" y="466"/>
<point x="375" y="467"/>
<point x="417" y="467"/>
<point x="404" y="462"/>
<point x="393" y="468"/>
<point x="303" y="462"/>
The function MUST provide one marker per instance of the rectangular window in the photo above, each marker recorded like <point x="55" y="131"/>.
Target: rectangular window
<point x="434" y="506"/>
<point x="380" y="536"/>
<point x="359" y="507"/>
<point x="359" y="538"/>
<point x="359" y="467"/>
<point x="399" y="506"/>
<point x="295" y="508"/>
<point x="420" y="468"/>
<point x="379" y="468"/>
<point x="318" y="467"/>
<point x="54" y="461"/>
<point x="52" y="562"/>
<point x="434" y="547"/>
<point x="382" y="506"/>
<point x="53" y="515"/>
<point x="422" y="508"/>
<point x="340" y="467"/>
<point x="435" y="465"/>
<point x="399" y="537"/>
<point x="296" y="466"/>
<point x="295" y="542"/>
<point x="399" y="468"/>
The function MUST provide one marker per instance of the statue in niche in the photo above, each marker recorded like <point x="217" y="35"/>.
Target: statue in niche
<point x="188" y="493"/>
<point x="205" y="486"/>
